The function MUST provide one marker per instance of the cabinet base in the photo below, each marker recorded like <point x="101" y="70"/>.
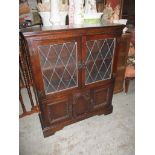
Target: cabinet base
<point x="47" y="131"/>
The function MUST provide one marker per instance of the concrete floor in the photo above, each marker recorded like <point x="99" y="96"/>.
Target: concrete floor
<point x="99" y="135"/>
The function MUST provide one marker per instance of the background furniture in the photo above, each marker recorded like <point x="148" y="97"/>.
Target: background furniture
<point x="128" y="11"/>
<point x="129" y="75"/>
<point x="25" y="82"/>
<point x="130" y="67"/>
<point x="73" y="70"/>
<point x="122" y="62"/>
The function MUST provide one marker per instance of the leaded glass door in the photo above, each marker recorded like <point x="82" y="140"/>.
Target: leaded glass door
<point x="99" y="59"/>
<point x="58" y="62"/>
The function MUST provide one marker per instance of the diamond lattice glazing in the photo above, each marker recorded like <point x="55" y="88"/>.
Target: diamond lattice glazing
<point x="59" y="66"/>
<point x="99" y="60"/>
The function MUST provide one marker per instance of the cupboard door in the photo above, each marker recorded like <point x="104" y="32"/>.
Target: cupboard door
<point x="59" y="110"/>
<point x="102" y="96"/>
<point x="57" y="65"/>
<point x="81" y="103"/>
<point x="99" y="59"/>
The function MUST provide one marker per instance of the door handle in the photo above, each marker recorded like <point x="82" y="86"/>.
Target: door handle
<point x="81" y="65"/>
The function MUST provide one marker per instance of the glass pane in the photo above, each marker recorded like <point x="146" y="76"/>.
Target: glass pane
<point x="99" y="59"/>
<point x="59" y="66"/>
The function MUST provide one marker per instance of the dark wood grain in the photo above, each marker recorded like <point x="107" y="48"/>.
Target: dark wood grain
<point x="59" y="108"/>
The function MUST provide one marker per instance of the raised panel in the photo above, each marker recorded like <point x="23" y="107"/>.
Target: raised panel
<point x="101" y="97"/>
<point x="59" y="110"/>
<point x="81" y="103"/>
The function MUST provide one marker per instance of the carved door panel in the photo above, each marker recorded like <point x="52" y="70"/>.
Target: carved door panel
<point x="102" y="96"/>
<point x="81" y="103"/>
<point x="59" y="110"/>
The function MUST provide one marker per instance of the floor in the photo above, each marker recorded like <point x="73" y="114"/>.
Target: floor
<point x="99" y="135"/>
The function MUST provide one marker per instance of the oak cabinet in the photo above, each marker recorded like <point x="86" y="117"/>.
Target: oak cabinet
<point x="73" y="69"/>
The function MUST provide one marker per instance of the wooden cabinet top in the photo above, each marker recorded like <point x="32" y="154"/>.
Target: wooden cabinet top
<point x="78" y="29"/>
